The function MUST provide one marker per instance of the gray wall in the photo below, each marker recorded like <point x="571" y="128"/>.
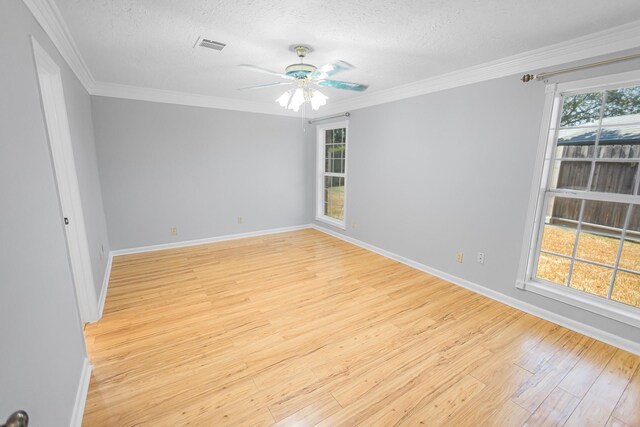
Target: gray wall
<point x="196" y="169"/>
<point x="452" y="171"/>
<point x="43" y="346"/>
<point x="84" y="151"/>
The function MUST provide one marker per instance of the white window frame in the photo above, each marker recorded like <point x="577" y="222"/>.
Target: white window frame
<point x="526" y="279"/>
<point x="320" y="173"/>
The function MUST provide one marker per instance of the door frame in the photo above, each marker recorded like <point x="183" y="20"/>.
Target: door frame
<point x="61" y="150"/>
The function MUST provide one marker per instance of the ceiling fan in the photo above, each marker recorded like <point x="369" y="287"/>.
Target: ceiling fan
<point x="304" y="78"/>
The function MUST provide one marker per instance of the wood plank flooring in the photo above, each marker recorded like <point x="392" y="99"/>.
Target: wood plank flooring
<point x="301" y="328"/>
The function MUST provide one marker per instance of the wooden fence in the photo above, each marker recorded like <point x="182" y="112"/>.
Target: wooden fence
<point x="608" y="177"/>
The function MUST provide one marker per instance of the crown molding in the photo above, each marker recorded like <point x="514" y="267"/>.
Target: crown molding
<point x="50" y="19"/>
<point x="592" y="45"/>
<point x="601" y="43"/>
<point x="114" y="90"/>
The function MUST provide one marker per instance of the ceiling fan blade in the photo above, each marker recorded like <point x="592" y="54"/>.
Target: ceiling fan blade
<point x="343" y="85"/>
<point x="266" y="85"/>
<point x="265" y="71"/>
<point x="330" y="69"/>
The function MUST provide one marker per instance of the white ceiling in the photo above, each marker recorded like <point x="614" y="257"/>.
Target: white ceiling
<point x="149" y="43"/>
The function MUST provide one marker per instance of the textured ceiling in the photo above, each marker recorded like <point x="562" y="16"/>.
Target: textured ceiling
<point x="149" y="43"/>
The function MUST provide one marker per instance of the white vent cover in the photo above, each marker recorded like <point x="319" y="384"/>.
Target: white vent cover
<point x="209" y="44"/>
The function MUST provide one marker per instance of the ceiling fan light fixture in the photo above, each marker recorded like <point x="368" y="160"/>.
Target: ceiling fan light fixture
<point x="297" y="99"/>
<point x="318" y="99"/>
<point x="304" y="78"/>
<point x="283" y="100"/>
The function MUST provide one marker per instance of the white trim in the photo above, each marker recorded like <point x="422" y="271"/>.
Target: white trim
<point x="609" y="338"/>
<point x="594" y="304"/>
<point x="320" y="172"/>
<point x="59" y="137"/>
<point x="535" y="214"/>
<point x="601" y="82"/>
<point x="114" y="90"/>
<point x="195" y="242"/>
<point x="330" y="221"/>
<point x="50" y="19"/>
<point x="601" y="43"/>
<point x="592" y="45"/>
<point x="81" y="394"/>
<point x="535" y="197"/>
<point x="105" y="286"/>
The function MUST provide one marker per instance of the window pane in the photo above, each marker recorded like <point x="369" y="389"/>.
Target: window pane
<point x="337" y="166"/>
<point x="328" y="136"/>
<point x="579" y="136"/>
<point x="327" y="184"/>
<point x="338" y="151"/>
<point x="614" y="177"/>
<point x="581" y="109"/>
<point x="572" y="175"/>
<point x="598" y="247"/>
<point x="620" y="134"/>
<point x="563" y="211"/>
<point x="590" y="278"/>
<point x="604" y="216"/>
<point x="633" y="228"/>
<point x="574" y="151"/>
<point x="553" y="268"/>
<point x="334" y="197"/>
<point x="622" y="105"/>
<point x="630" y="256"/>
<point x="619" y="151"/>
<point x="626" y="288"/>
<point x="559" y="240"/>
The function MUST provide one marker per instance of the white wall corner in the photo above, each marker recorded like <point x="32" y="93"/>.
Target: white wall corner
<point x="207" y="240"/>
<point x="105" y="286"/>
<point x="114" y="90"/>
<point x="50" y="19"/>
<point x="81" y="394"/>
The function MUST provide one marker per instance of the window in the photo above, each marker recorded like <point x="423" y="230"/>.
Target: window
<point x="332" y="173"/>
<point x="586" y="244"/>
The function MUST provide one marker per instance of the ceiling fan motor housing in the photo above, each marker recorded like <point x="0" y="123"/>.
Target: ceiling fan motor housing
<point x="299" y="71"/>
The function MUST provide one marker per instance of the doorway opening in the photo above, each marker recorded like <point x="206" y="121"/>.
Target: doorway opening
<point x="55" y="113"/>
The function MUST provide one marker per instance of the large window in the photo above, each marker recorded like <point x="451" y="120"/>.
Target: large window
<point x="332" y="173"/>
<point x="587" y="238"/>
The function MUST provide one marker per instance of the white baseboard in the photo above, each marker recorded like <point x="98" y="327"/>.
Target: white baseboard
<point x="81" y="395"/>
<point x="186" y="243"/>
<point x="609" y="338"/>
<point x="105" y="286"/>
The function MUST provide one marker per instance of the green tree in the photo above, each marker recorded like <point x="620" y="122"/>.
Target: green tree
<point x="585" y="108"/>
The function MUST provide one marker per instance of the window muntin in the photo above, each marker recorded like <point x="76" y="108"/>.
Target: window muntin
<point x="332" y="153"/>
<point x="589" y="237"/>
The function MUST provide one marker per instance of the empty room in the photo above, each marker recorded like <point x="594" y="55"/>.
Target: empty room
<point x="331" y="213"/>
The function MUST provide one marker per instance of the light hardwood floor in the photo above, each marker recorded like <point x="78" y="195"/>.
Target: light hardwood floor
<point x="301" y="328"/>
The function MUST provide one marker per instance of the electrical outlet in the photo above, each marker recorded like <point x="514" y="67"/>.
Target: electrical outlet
<point x="354" y="224"/>
<point x="174" y="231"/>
<point x="459" y="257"/>
<point x="240" y="220"/>
<point x="481" y="257"/>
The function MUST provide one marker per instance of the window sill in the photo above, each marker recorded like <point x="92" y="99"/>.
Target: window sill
<point x="331" y="221"/>
<point x="603" y="307"/>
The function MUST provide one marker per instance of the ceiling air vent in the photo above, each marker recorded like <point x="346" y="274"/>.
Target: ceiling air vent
<point x="209" y="44"/>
